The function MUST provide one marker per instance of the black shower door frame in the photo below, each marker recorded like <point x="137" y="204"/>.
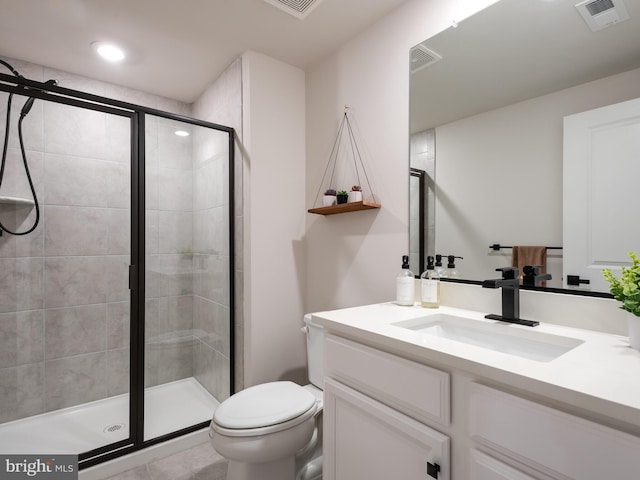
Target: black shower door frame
<point x="137" y="115"/>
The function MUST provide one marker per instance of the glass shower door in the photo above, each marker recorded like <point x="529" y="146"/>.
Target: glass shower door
<point x="64" y="297"/>
<point x="187" y="276"/>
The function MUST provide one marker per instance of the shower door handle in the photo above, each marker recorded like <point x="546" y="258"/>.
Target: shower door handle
<point x="133" y="277"/>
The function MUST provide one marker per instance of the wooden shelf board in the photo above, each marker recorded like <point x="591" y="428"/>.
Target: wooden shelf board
<point x="344" y="208"/>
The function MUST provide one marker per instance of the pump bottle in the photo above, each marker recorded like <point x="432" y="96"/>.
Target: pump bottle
<point x="405" y="284"/>
<point x="442" y="272"/>
<point x="430" y="286"/>
<point x="451" y="266"/>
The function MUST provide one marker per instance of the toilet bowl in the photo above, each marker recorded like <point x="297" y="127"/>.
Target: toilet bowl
<point x="261" y="429"/>
<point x="273" y="431"/>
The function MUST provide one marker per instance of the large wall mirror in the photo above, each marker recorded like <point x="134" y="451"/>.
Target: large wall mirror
<point x="488" y="102"/>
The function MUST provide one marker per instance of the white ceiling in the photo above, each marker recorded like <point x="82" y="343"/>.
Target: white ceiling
<point x="176" y="48"/>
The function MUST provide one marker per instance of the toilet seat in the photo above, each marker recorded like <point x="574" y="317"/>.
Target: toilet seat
<point x="263" y="409"/>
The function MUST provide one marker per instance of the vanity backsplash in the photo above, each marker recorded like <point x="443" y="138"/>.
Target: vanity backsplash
<point x="590" y="313"/>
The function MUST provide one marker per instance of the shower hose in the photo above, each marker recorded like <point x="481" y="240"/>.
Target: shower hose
<point x="25" y="111"/>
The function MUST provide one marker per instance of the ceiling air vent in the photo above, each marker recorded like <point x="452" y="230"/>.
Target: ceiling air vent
<point x="298" y="8"/>
<point x="422" y="57"/>
<point x="601" y="14"/>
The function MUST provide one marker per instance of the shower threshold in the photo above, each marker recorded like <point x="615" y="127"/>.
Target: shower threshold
<point x="168" y="407"/>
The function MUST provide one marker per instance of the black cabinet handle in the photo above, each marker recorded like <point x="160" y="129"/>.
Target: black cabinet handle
<point x="433" y="469"/>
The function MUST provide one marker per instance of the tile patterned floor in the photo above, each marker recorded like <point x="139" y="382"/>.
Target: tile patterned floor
<point x="201" y="462"/>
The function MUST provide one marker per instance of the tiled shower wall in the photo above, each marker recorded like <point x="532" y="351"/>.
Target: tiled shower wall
<point x="187" y="294"/>
<point x="422" y="146"/>
<point x="221" y="103"/>
<point x="211" y="304"/>
<point x="169" y="248"/>
<point x="63" y="289"/>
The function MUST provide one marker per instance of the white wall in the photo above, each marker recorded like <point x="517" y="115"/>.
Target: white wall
<point x="504" y="168"/>
<point x="354" y="258"/>
<point x="274" y="190"/>
<point x="295" y="261"/>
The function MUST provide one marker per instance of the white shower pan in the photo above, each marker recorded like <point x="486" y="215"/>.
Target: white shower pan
<point x="168" y="407"/>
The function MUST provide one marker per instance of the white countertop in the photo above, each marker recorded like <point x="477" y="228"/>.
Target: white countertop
<point x="601" y="375"/>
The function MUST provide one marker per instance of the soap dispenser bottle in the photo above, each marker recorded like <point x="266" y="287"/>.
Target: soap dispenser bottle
<point x="451" y="266"/>
<point x="430" y="286"/>
<point x="405" y="284"/>
<point x="442" y="272"/>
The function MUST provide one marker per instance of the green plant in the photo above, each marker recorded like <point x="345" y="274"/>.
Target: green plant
<point x="343" y="192"/>
<point x="626" y="289"/>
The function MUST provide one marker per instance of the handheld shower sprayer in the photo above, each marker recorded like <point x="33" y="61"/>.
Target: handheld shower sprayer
<point x="26" y="108"/>
<point x="11" y="69"/>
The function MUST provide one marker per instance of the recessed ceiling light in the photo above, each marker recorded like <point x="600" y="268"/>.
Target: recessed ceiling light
<point x="108" y="51"/>
<point x="182" y="133"/>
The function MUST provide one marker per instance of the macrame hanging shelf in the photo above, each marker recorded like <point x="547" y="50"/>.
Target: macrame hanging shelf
<point x="368" y="200"/>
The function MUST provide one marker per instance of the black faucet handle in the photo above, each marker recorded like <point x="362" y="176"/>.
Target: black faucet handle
<point x="532" y="269"/>
<point x="508" y="273"/>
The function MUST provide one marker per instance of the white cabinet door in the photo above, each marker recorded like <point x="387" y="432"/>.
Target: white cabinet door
<point x="601" y="167"/>
<point x="366" y="440"/>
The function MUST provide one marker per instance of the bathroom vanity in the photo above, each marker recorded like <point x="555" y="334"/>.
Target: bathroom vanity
<point x="416" y="393"/>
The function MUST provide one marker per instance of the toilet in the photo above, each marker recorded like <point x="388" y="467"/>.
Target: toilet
<point x="273" y="431"/>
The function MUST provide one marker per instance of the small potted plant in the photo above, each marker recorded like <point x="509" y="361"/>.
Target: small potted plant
<point x="329" y="198"/>
<point x="626" y="289"/>
<point x="355" y="195"/>
<point x="342" y="196"/>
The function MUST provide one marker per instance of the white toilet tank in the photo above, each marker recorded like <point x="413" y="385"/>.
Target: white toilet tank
<point x="315" y="352"/>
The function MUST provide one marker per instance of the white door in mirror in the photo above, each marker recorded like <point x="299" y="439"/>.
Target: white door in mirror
<point x="600" y="184"/>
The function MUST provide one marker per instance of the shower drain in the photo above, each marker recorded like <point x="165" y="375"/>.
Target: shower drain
<point x="116" y="427"/>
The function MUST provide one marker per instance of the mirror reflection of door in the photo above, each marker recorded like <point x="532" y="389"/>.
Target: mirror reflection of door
<point x="601" y="171"/>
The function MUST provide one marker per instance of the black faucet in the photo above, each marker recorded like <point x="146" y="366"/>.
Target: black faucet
<point x="510" y="297"/>
<point x="532" y="275"/>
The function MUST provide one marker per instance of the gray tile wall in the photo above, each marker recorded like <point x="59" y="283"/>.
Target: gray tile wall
<point x="220" y="103"/>
<point x="211" y="263"/>
<point x="64" y="287"/>
<point x="64" y="312"/>
<point x="422" y="156"/>
<point x="169" y="238"/>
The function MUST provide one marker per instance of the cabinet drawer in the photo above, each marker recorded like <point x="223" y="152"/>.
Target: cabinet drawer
<point x="551" y="441"/>
<point x="417" y="390"/>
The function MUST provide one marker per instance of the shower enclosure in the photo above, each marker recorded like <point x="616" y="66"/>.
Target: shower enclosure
<point x="116" y="312"/>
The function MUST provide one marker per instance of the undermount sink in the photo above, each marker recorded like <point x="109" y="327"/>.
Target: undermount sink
<point x="499" y="337"/>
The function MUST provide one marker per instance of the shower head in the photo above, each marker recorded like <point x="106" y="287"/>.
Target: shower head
<point x="26" y="108"/>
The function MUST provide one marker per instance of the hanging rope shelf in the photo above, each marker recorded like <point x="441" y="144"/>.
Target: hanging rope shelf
<point x="356" y="198"/>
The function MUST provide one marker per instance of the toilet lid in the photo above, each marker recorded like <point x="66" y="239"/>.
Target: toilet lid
<point x="264" y="405"/>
